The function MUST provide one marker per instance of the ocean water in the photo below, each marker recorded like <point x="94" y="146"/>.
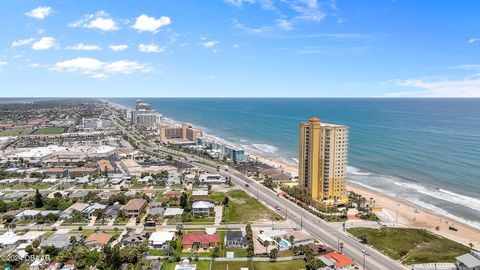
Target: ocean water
<point x="426" y="151"/>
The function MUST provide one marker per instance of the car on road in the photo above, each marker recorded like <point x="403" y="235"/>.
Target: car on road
<point x="247" y="185"/>
<point x="277" y="207"/>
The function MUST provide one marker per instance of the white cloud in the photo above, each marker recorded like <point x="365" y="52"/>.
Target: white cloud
<point x="39" y="13"/>
<point x="99" y="69"/>
<point x="258" y="30"/>
<point x="284" y="24"/>
<point x="145" y="23"/>
<point x="119" y="47"/>
<point x="23" y="42"/>
<point x="99" y="76"/>
<point x="467" y="87"/>
<point x="3" y="63"/>
<point x="126" y="67"/>
<point x="238" y="3"/>
<point x="473" y="40"/>
<point x="210" y="43"/>
<point x="82" y="64"/>
<point x="150" y="48"/>
<point x="34" y="65"/>
<point x="100" y="20"/>
<point x="84" y="47"/>
<point x="44" y="43"/>
<point x="236" y="46"/>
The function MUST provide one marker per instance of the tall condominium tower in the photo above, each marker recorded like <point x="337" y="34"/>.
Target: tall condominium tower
<point x="323" y="154"/>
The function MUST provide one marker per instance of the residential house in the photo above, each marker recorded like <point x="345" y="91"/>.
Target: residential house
<point x="156" y="209"/>
<point x="79" y="194"/>
<point x="299" y="237"/>
<point x="31" y="236"/>
<point x="56" y="172"/>
<point x="172" y="193"/>
<point x="160" y="239"/>
<point x="15" y="196"/>
<point x="173" y="212"/>
<point x="90" y="210"/>
<point x="9" y="240"/>
<point x="97" y="240"/>
<point x="74" y="207"/>
<point x="469" y="261"/>
<point x="112" y="210"/>
<point x="337" y="261"/>
<point x="133" y="239"/>
<point x="276" y="175"/>
<point x="235" y="239"/>
<point x="60" y="241"/>
<point x="198" y="240"/>
<point x="202" y="208"/>
<point x="200" y="194"/>
<point x="271" y="236"/>
<point x="105" y="195"/>
<point x="211" y="179"/>
<point x="134" y="207"/>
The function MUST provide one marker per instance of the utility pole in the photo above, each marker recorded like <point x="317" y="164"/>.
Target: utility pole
<point x="365" y="253"/>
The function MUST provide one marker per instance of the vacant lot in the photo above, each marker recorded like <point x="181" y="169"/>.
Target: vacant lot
<point x="288" y="265"/>
<point x="243" y="208"/>
<point x="14" y="132"/>
<point x="411" y="245"/>
<point x="47" y="131"/>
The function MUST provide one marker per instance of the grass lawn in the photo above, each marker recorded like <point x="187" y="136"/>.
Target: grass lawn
<point x="50" y="130"/>
<point x="411" y="246"/>
<point x="48" y="234"/>
<point x="243" y="208"/>
<point x="217" y="197"/>
<point x="14" y="132"/>
<point x="288" y="265"/>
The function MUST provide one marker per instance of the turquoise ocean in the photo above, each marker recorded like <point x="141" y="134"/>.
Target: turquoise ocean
<point x="424" y="151"/>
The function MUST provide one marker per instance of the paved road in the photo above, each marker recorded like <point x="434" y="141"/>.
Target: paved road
<point x="311" y="223"/>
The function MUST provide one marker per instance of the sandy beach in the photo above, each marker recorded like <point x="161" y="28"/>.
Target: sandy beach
<point x="413" y="216"/>
<point x="409" y="215"/>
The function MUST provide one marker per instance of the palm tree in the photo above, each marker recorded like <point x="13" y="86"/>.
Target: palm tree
<point x="266" y="244"/>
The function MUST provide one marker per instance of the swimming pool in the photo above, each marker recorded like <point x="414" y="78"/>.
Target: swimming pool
<point x="284" y="243"/>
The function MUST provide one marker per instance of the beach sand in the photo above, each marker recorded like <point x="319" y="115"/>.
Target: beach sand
<point x="413" y="216"/>
<point x="409" y="215"/>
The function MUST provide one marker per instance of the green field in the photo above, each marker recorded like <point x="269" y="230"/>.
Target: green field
<point x="243" y="208"/>
<point x="47" y="131"/>
<point x="287" y="265"/>
<point x="411" y="246"/>
<point x="14" y="132"/>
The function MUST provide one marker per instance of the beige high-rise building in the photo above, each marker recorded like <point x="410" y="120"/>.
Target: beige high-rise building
<point x="184" y="131"/>
<point x="323" y="155"/>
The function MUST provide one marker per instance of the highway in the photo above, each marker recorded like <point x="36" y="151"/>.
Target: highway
<point x="317" y="227"/>
<point x="311" y="223"/>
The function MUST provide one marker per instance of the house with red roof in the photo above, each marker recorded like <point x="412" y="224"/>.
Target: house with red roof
<point x="337" y="261"/>
<point x="198" y="240"/>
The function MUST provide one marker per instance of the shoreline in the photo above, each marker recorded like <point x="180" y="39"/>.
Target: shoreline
<point x="414" y="216"/>
<point x="408" y="213"/>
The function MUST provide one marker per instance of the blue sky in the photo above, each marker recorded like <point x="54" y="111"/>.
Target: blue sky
<point x="240" y="48"/>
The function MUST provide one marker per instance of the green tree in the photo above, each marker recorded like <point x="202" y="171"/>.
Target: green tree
<point x="38" y="199"/>
<point x="184" y="200"/>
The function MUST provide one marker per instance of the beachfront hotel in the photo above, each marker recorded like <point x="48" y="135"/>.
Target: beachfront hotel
<point x="323" y="154"/>
<point x="184" y="131"/>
